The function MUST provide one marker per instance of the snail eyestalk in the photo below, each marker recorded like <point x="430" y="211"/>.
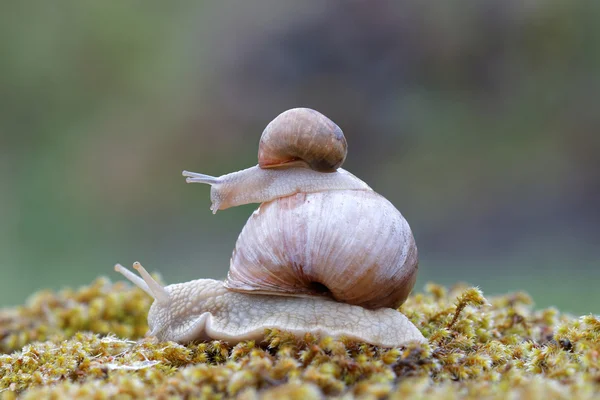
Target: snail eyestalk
<point x="147" y="284"/>
<point x="215" y="187"/>
<point x="194" y="177"/>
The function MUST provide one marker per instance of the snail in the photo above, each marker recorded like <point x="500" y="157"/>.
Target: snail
<point x="322" y="254"/>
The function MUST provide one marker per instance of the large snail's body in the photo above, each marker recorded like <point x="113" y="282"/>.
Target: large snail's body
<point x="323" y="253"/>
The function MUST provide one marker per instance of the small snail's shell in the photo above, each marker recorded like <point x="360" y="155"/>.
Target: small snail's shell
<point x="352" y="245"/>
<point x="302" y="136"/>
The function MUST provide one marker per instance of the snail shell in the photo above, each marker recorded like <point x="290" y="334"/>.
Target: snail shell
<point x="352" y="245"/>
<point x="302" y="137"/>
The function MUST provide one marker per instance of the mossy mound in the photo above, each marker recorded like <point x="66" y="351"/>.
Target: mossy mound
<point x="86" y="344"/>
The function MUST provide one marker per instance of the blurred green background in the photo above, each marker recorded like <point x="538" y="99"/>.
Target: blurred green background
<point x="479" y="120"/>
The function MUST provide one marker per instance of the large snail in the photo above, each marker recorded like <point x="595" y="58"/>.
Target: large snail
<point x="323" y="253"/>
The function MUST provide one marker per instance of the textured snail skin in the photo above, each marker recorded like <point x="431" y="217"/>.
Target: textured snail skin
<point x="204" y="309"/>
<point x="258" y="185"/>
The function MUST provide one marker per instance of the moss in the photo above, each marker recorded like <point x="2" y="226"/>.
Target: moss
<point x="86" y="343"/>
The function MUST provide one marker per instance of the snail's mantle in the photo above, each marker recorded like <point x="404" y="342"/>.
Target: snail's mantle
<point x="86" y="343"/>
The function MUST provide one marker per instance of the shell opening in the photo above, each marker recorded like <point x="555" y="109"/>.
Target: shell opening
<point x="319" y="288"/>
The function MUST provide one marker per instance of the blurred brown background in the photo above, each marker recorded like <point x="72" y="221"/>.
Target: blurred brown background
<point x="479" y="120"/>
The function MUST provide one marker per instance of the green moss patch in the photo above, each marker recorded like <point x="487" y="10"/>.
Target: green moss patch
<point x="87" y="343"/>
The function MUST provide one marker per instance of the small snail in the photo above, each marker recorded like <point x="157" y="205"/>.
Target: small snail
<point x="323" y="253"/>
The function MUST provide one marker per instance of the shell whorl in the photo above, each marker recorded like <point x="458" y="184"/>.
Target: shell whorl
<point x="351" y="245"/>
<point x="302" y="136"/>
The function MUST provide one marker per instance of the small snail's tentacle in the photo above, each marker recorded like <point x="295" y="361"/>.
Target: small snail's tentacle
<point x="147" y="284"/>
<point x="194" y="177"/>
<point x="259" y="185"/>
